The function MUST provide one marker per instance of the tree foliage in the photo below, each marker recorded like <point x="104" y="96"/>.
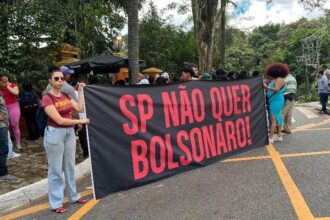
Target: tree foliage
<point x="278" y="43"/>
<point x="32" y="30"/>
<point x="163" y="44"/>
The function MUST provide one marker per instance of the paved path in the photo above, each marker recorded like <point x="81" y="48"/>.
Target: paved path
<point x="288" y="180"/>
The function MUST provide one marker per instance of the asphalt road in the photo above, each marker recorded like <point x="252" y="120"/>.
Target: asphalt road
<point x="288" y="180"/>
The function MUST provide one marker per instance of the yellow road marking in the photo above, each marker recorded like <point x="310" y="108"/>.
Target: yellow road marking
<point x="323" y="218"/>
<point x="299" y="204"/>
<point x="25" y="212"/>
<point x="246" y="159"/>
<point x="305" y="126"/>
<point x="306" y="154"/>
<point x="313" y="125"/>
<point x="239" y="159"/>
<point x="83" y="210"/>
<point x="37" y="208"/>
<point x="312" y="129"/>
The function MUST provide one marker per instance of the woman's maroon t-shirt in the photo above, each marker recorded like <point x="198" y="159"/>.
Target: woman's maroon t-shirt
<point x="63" y="106"/>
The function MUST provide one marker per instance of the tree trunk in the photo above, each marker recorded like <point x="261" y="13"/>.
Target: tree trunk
<point x="82" y="30"/>
<point x="76" y="26"/>
<point x="222" y="51"/>
<point x="80" y="27"/>
<point x="204" y="15"/>
<point x="133" y="39"/>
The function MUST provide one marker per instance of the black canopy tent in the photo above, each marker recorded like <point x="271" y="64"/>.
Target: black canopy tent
<point x="104" y="63"/>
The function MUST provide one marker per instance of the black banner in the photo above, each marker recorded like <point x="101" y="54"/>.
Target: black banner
<point x="141" y="134"/>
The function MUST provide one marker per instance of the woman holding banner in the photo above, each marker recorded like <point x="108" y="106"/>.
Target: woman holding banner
<point x="60" y="141"/>
<point x="275" y="96"/>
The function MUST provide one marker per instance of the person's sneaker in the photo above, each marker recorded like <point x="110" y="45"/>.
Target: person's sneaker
<point x="8" y="177"/>
<point x="13" y="155"/>
<point x="278" y="139"/>
<point x="19" y="148"/>
<point x="270" y="140"/>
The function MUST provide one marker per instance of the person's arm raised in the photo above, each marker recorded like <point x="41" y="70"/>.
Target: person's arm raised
<point x="79" y="107"/>
<point x="13" y="90"/>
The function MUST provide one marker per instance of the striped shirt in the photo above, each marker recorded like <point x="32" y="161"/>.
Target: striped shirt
<point x="290" y="85"/>
<point x="4" y="112"/>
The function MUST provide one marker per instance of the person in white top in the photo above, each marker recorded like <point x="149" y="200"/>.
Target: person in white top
<point x="323" y="89"/>
<point x="326" y="72"/>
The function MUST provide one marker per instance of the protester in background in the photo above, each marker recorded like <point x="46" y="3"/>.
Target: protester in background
<point x="151" y="80"/>
<point x="206" y="76"/>
<point x="30" y="103"/>
<point x="275" y="95"/>
<point x="212" y="70"/>
<point x="166" y="76"/>
<point x="187" y="74"/>
<point x="289" y="96"/>
<point x="196" y="74"/>
<point x="60" y="141"/>
<point x="326" y="72"/>
<point x="213" y="76"/>
<point x="221" y="74"/>
<point x="81" y="129"/>
<point x="140" y="77"/>
<point x="66" y="88"/>
<point x="323" y="91"/>
<point x="243" y="75"/>
<point x="82" y="134"/>
<point x="127" y="81"/>
<point x="161" y="81"/>
<point x="231" y="75"/>
<point x="118" y="83"/>
<point x="10" y="92"/>
<point x="4" y="122"/>
<point x="143" y="82"/>
<point x="175" y="80"/>
<point x="255" y="73"/>
<point x="156" y="76"/>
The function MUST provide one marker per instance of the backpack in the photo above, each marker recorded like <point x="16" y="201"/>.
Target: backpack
<point x="42" y="117"/>
<point x="29" y="99"/>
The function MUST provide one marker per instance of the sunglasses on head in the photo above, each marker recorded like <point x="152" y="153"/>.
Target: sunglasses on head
<point x="57" y="78"/>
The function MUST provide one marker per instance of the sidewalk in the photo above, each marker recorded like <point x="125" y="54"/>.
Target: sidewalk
<point x="30" y="168"/>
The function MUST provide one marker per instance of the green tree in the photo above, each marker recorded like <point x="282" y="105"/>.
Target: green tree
<point x="163" y="44"/>
<point x="28" y="26"/>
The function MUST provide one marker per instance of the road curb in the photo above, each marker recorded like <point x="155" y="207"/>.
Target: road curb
<point x="30" y="193"/>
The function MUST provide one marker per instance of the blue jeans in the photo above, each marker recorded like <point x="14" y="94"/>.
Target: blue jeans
<point x="324" y="101"/>
<point x="3" y="151"/>
<point x="60" y="145"/>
